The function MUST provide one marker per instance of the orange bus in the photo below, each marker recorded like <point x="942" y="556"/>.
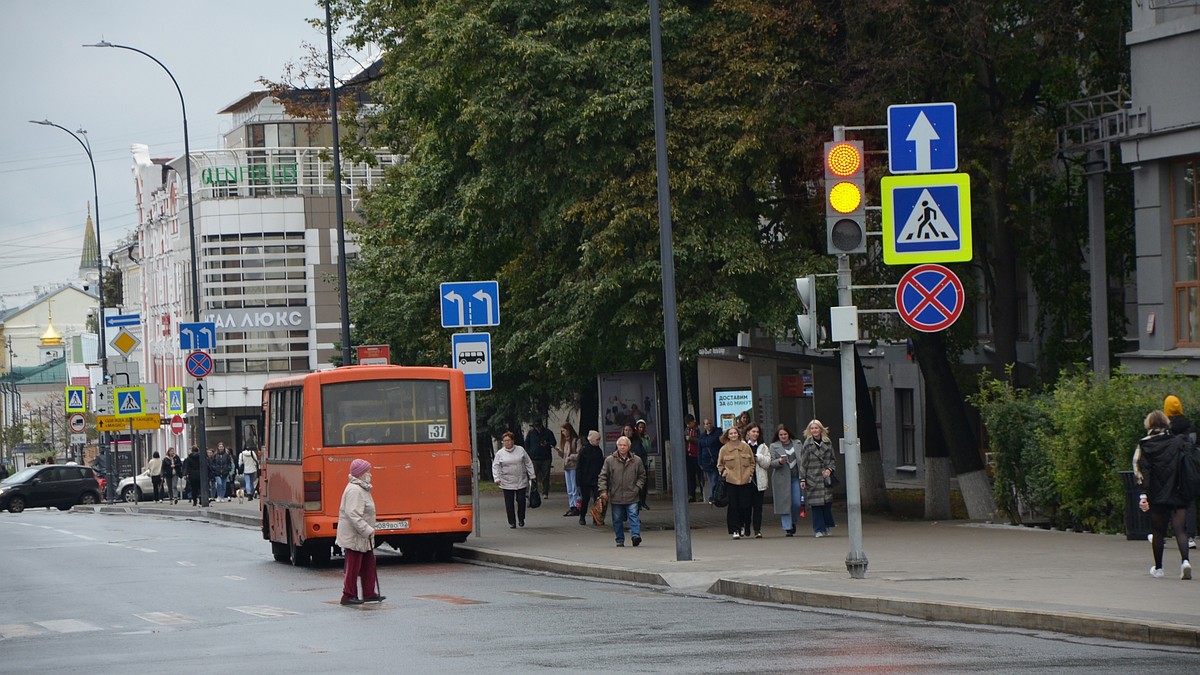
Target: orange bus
<point x="410" y="423"/>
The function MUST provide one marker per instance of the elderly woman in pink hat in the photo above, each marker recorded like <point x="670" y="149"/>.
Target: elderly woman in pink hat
<point x="356" y="536"/>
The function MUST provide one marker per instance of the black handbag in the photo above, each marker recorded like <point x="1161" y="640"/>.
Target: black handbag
<point x="535" y="499"/>
<point x="719" y="496"/>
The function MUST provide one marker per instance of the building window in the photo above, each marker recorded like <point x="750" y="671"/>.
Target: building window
<point x="1185" y="223"/>
<point x="906" y="431"/>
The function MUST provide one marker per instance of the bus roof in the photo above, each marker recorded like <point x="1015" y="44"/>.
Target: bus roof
<point x="353" y="373"/>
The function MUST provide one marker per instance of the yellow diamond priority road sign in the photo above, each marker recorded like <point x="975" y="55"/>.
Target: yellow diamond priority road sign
<point x="125" y="342"/>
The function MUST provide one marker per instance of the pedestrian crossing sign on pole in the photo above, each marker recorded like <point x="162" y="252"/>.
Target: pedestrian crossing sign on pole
<point x="130" y="401"/>
<point x="175" y="401"/>
<point x="76" y="399"/>
<point x="926" y="218"/>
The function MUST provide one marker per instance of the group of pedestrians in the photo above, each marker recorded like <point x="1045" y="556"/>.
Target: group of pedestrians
<point x="1156" y="464"/>
<point x="800" y="477"/>
<point x="799" y="472"/>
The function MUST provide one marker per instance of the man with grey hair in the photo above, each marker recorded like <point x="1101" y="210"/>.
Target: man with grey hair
<point x="621" y="480"/>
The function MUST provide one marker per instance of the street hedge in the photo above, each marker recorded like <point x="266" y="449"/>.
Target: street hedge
<point x="1056" y="456"/>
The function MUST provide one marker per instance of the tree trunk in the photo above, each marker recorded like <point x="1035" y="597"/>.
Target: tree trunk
<point x="951" y="412"/>
<point x="937" y="465"/>
<point x="872" y="482"/>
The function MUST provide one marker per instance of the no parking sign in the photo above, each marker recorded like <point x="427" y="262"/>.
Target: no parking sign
<point x="929" y="298"/>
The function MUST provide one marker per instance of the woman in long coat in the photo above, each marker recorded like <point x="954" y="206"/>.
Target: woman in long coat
<point x="816" y="464"/>
<point x="786" y="495"/>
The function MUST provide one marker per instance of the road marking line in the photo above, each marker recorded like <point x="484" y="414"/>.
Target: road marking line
<point x="184" y="563"/>
<point x="12" y="630"/>
<point x="142" y="550"/>
<point x="234" y="577"/>
<point x="67" y="626"/>
<point x="264" y="611"/>
<point x="84" y="536"/>
<point x="63" y="532"/>
<point x="165" y="618"/>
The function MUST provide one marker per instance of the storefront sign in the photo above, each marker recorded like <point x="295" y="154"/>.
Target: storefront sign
<point x="240" y="320"/>
<point x="257" y="174"/>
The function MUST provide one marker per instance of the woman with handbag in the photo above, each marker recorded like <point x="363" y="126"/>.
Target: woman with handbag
<point x="587" y="475"/>
<point x="816" y="474"/>
<point x="512" y="469"/>
<point x="762" y="460"/>
<point x="736" y="465"/>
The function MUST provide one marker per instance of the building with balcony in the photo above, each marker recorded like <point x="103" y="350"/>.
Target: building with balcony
<point x="266" y="246"/>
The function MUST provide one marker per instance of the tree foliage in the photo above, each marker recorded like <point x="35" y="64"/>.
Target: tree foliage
<point x="528" y="136"/>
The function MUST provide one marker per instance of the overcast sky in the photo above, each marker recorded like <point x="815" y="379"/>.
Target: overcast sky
<point x="216" y="49"/>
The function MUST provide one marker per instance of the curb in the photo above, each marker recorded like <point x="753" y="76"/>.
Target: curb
<point x="530" y="562"/>
<point x="1084" y="625"/>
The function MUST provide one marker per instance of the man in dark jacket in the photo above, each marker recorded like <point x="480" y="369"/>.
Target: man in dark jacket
<point x="621" y="481"/>
<point x="191" y="468"/>
<point x="587" y="473"/>
<point x="710" y="448"/>
<point x="1182" y="426"/>
<point x="539" y="444"/>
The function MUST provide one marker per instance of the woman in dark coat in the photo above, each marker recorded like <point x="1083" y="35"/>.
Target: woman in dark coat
<point x="1156" y="464"/>
<point x="191" y="468"/>
<point x="587" y="474"/>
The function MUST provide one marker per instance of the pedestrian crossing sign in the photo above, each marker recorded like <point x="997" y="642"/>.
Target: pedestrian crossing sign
<point x="926" y="218"/>
<point x="130" y="401"/>
<point x="175" y="401"/>
<point x="76" y="399"/>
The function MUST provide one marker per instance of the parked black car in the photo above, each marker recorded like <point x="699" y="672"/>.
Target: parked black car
<point x="62" y="486"/>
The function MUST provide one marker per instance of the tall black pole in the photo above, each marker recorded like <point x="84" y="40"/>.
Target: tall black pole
<point x="187" y="164"/>
<point x="101" y="356"/>
<point x="337" y="179"/>
<point x="679" y="495"/>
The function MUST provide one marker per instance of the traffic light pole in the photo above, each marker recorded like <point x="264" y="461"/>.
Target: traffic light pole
<point x="856" y="558"/>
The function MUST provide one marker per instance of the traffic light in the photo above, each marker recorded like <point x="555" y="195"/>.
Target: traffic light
<point x="810" y="331"/>
<point x="845" y="198"/>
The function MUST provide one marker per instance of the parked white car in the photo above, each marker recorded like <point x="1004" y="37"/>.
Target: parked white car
<point x="137" y="488"/>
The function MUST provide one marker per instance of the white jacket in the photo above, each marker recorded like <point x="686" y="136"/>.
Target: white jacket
<point x="762" y="462"/>
<point x="512" y="469"/>
<point x="249" y="460"/>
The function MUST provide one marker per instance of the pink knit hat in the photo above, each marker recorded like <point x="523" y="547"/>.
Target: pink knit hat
<point x="358" y="467"/>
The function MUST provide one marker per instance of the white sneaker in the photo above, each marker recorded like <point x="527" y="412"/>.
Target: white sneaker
<point x="1191" y="542"/>
<point x="1185" y="570"/>
<point x="737" y="535"/>
<point x="1156" y="572"/>
<point x="1150" y="537"/>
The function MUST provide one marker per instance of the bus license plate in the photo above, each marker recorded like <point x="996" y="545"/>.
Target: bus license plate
<point x="393" y="525"/>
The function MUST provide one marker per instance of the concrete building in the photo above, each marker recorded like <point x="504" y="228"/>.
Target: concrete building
<point x="266" y="245"/>
<point x="1162" y="145"/>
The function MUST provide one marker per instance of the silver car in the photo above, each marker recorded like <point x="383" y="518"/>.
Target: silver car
<point x="138" y="488"/>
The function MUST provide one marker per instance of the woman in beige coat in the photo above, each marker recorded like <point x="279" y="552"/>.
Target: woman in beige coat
<point x="736" y="465"/>
<point x="356" y="536"/>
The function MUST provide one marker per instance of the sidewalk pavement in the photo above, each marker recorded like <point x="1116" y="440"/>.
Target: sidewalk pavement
<point x="968" y="572"/>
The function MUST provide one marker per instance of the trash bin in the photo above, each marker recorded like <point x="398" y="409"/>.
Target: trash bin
<point x="1137" y="524"/>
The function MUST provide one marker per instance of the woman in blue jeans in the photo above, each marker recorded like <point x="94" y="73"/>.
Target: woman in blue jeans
<point x="787" y="498"/>
<point x="816" y="464"/>
<point x="709" y="440"/>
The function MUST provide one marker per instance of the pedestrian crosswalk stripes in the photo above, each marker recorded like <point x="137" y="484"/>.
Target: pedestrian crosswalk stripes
<point x="48" y="627"/>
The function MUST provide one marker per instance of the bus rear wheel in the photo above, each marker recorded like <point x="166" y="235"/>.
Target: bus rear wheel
<point x="296" y="552"/>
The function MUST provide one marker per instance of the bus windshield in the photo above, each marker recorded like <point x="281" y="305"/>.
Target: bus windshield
<point x="386" y="412"/>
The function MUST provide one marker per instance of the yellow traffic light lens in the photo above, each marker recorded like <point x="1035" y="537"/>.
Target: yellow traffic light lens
<point x="844" y="160"/>
<point x="845" y="197"/>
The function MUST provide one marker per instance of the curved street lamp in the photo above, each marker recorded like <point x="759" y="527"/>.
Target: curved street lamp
<point x="101" y="355"/>
<point x="202" y="442"/>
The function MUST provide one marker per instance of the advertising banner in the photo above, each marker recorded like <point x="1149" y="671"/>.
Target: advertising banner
<point x="626" y="398"/>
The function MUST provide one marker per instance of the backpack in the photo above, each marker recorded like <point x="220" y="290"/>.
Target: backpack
<point x="1188" y="473"/>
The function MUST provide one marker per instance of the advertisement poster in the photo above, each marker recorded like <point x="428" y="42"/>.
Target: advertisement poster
<point x="730" y="403"/>
<point x="626" y="398"/>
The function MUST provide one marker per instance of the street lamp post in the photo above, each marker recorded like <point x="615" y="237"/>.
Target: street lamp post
<point x="187" y="164"/>
<point x="110" y="464"/>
